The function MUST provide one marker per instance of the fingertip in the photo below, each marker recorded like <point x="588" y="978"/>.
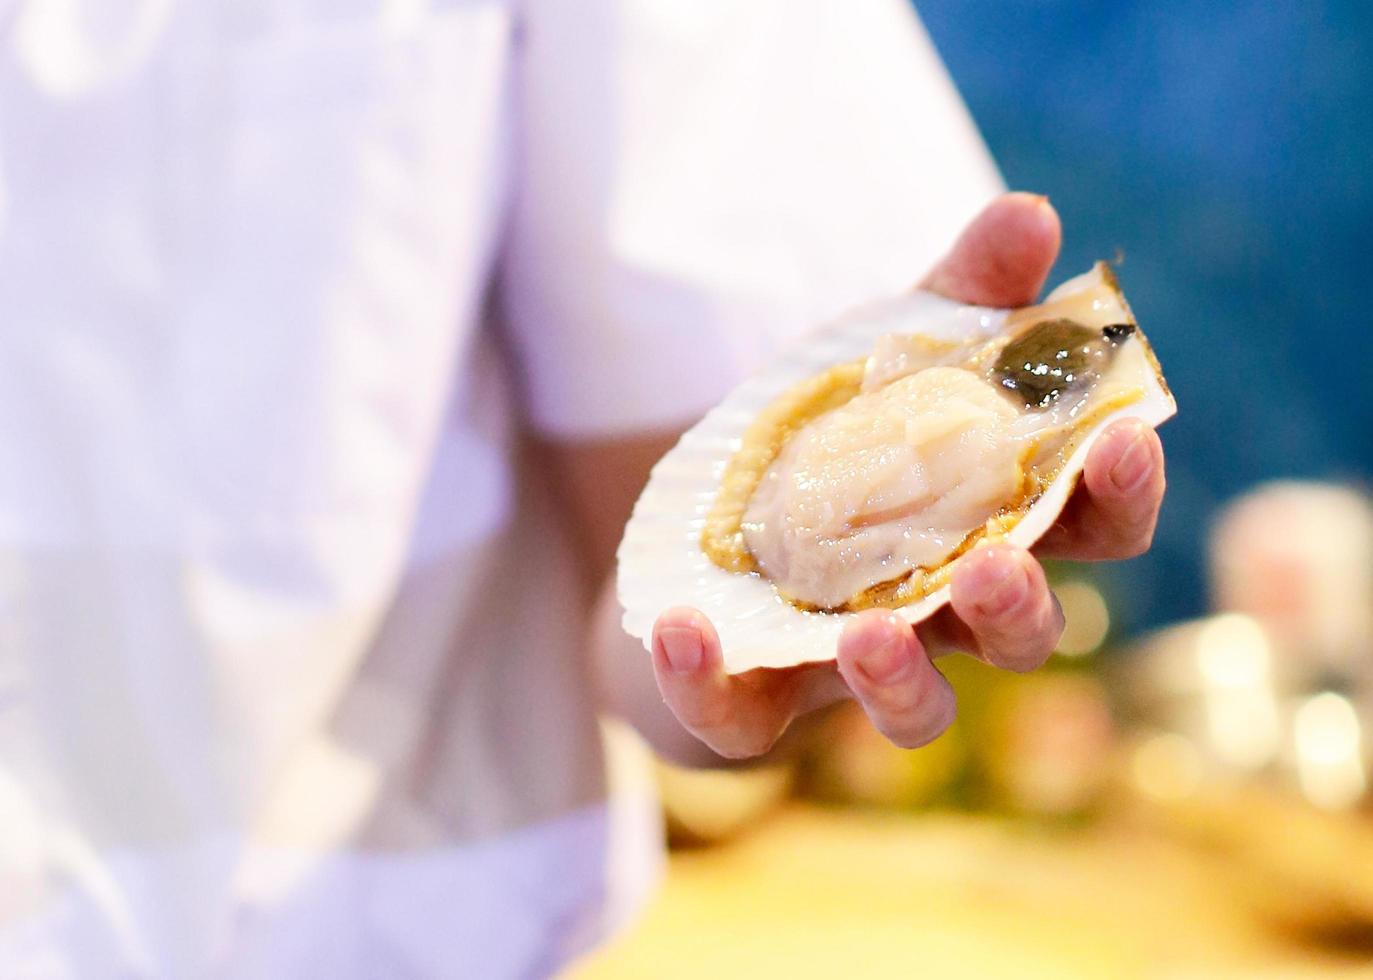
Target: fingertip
<point x="915" y="712"/>
<point x="992" y="582"/>
<point x="1034" y="219"/>
<point x="943" y="710"/>
<point x="1124" y="459"/>
<point x="1004" y="255"/>
<point x="886" y="666"/>
<point x="681" y="616"/>
<point x="684" y="642"/>
<point x="1125" y="481"/>
<point x="1003" y="597"/>
<point x="691" y="678"/>
<point x="869" y="632"/>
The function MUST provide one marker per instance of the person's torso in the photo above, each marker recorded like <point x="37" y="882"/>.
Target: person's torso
<point x="255" y="484"/>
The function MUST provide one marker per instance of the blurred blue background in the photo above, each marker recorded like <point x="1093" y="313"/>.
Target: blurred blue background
<point x="1224" y="151"/>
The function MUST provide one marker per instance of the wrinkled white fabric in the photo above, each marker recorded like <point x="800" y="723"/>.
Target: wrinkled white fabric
<point x="272" y="273"/>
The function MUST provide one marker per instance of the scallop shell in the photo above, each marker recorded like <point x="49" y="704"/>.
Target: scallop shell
<point x="661" y="563"/>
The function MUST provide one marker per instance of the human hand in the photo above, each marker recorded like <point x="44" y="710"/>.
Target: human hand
<point x="1001" y="610"/>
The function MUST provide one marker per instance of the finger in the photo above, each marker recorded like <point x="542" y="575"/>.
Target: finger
<point x="886" y="667"/>
<point x="1000" y="594"/>
<point x="1003" y="257"/>
<point x="1114" y="510"/>
<point x="738" y="716"/>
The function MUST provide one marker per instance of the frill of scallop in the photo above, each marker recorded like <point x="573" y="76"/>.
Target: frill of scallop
<point x="874" y="454"/>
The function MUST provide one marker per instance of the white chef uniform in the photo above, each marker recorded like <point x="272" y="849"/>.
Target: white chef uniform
<point x="288" y="685"/>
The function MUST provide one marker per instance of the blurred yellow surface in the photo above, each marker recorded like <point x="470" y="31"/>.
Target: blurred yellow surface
<point x="825" y="893"/>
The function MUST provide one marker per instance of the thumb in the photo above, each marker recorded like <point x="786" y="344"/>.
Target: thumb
<point x="1004" y="256"/>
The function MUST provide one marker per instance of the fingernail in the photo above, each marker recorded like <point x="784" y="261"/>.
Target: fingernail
<point x="1005" y="584"/>
<point x="683" y="648"/>
<point x="1132" y="469"/>
<point x="888" y="663"/>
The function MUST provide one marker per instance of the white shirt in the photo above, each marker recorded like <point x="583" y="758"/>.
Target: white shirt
<point x="286" y="680"/>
